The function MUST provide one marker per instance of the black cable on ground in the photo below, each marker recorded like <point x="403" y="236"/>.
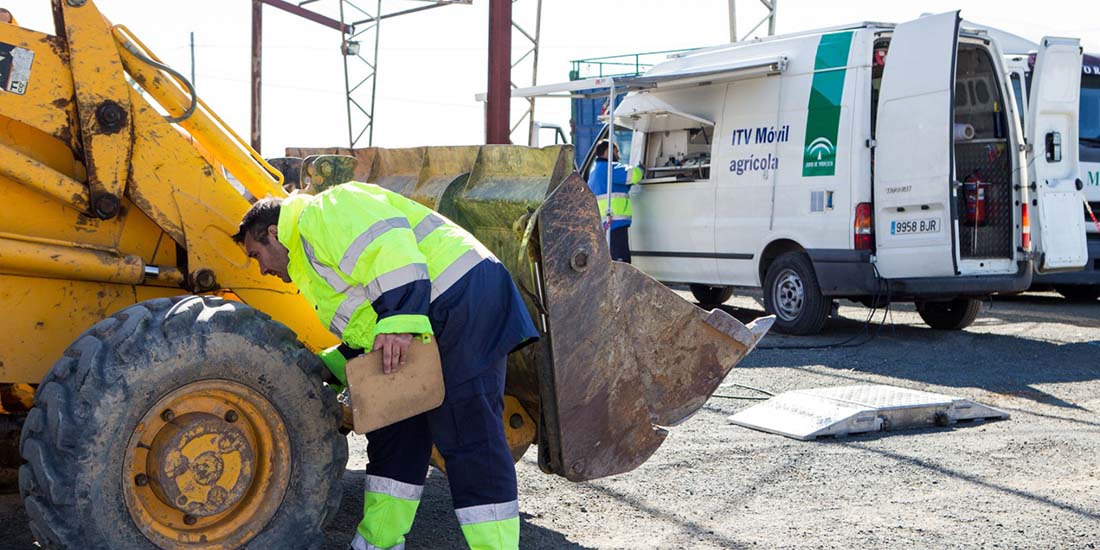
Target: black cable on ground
<point x="758" y="390"/>
<point x="746" y="397"/>
<point x="881" y="287"/>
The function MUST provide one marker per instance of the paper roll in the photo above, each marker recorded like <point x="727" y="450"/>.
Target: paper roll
<point x="964" y="132"/>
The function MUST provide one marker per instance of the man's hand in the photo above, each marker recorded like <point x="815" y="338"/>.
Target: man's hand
<point x="395" y="349"/>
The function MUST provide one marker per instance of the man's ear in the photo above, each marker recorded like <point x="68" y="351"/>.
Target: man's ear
<point x="273" y="231"/>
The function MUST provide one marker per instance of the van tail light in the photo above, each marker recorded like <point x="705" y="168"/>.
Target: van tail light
<point x="1025" y="228"/>
<point x="864" y="227"/>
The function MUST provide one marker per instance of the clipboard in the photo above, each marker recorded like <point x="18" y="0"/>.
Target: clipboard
<point x="379" y="399"/>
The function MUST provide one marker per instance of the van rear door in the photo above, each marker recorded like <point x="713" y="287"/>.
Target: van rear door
<point x="913" y="162"/>
<point x="1053" y="163"/>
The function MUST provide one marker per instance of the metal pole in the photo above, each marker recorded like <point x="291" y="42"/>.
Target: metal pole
<point x="531" y="137"/>
<point x="771" y="18"/>
<point x="610" y="155"/>
<point x="257" y="40"/>
<point x="347" y="81"/>
<point x="374" y="68"/>
<point x="192" y="58"/>
<point x="498" y="97"/>
<point x="733" y="21"/>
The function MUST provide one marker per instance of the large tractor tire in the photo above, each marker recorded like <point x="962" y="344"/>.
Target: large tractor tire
<point x="955" y="314"/>
<point x="187" y="423"/>
<point x="792" y="294"/>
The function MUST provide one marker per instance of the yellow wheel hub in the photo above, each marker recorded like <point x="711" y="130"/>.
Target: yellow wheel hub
<point x="207" y="466"/>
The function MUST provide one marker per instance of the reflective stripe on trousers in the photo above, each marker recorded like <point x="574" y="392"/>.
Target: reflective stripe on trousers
<point x="490" y="526"/>
<point x="487" y="512"/>
<point x="393" y="488"/>
<point x="390" y="506"/>
<point x="360" y="543"/>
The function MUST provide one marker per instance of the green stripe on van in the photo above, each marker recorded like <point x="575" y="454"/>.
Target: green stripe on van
<point x="823" y="117"/>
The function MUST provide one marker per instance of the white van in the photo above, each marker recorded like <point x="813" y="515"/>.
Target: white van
<point x="874" y="162"/>
<point x="1081" y="285"/>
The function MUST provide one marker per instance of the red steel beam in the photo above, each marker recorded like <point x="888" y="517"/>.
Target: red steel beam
<point x="498" y="97"/>
<point x="311" y="15"/>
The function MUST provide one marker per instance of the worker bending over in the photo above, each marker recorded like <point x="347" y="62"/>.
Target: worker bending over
<point x="622" y="177"/>
<point x="380" y="268"/>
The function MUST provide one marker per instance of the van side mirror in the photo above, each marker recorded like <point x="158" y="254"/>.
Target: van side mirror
<point x="1054" y="146"/>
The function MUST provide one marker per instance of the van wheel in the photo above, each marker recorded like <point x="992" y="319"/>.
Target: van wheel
<point x="711" y="295"/>
<point x="791" y="293"/>
<point x="954" y="314"/>
<point x="1079" y="293"/>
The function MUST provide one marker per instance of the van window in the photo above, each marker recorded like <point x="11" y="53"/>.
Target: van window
<point x="623" y="139"/>
<point x="878" y="63"/>
<point x="678" y="155"/>
<point x="1090" y="111"/>
<point x="1018" y="89"/>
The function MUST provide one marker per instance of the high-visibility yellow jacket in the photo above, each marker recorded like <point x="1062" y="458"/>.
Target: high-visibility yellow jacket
<point x="622" y="177"/>
<point x="371" y="261"/>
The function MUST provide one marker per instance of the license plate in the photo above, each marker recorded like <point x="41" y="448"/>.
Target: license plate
<point x="909" y="227"/>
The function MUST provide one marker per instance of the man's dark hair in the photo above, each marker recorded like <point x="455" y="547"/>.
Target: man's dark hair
<point x="601" y="148"/>
<point x="255" y="222"/>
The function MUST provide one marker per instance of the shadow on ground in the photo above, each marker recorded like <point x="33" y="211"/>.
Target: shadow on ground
<point x="1013" y="365"/>
<point x="435" y="525"/>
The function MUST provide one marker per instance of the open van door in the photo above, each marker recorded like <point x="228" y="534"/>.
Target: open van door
<point x="914" y="163"/>
<point x="1053" y="162"/>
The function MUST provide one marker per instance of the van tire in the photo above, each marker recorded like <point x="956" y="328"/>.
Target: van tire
<point x="91" y="401"/>
<point x="954" y="314"/>
<point x="711" y="295"/>
<point x="792" y="294"/>
<point x="1079" y="293"/>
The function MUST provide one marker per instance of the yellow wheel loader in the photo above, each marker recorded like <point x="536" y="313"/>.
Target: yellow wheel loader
<point x="158" y="392"/>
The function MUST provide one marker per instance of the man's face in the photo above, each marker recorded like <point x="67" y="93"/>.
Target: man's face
<point x="272" y="256"/>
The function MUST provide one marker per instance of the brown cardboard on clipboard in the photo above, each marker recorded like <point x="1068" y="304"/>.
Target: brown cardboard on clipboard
<point x="379" y="399"/>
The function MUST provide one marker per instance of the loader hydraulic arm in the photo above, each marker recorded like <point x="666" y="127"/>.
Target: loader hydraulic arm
<point x="120" y="178"/>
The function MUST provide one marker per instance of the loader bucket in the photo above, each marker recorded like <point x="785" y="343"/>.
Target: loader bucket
<point x="621" y="357"/>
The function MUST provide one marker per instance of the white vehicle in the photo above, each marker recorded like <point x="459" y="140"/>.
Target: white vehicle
<point x="1081" y="285"/>
<point x="874" y="162"/>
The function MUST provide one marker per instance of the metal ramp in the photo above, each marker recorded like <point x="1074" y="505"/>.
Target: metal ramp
<point x="843" y="410"/>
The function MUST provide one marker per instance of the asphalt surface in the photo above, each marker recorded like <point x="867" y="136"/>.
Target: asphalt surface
<point x="1032" y="481"/>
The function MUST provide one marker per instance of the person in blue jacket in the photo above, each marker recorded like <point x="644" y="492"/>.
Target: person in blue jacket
<point x="622" y="177"/>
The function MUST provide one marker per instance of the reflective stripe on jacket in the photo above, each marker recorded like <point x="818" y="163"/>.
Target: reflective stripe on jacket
<point x="622" y="177"/>
<point x="371" y="261"/>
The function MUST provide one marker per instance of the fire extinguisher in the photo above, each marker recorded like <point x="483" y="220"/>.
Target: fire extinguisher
<point x="976" y="192"/>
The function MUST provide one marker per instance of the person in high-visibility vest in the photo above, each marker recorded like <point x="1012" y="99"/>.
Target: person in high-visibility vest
<point x="380" y="268"/>
<point x="622" y="177"/>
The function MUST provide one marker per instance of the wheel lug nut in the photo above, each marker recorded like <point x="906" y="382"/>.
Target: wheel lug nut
<point x="189" y="519"/>
<point x="141" y="480"/>
<point x="167" y="415"/>
<point x="231" y="416"/>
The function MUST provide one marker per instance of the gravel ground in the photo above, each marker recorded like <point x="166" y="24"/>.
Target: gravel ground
<point x="1029" y="482"/>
